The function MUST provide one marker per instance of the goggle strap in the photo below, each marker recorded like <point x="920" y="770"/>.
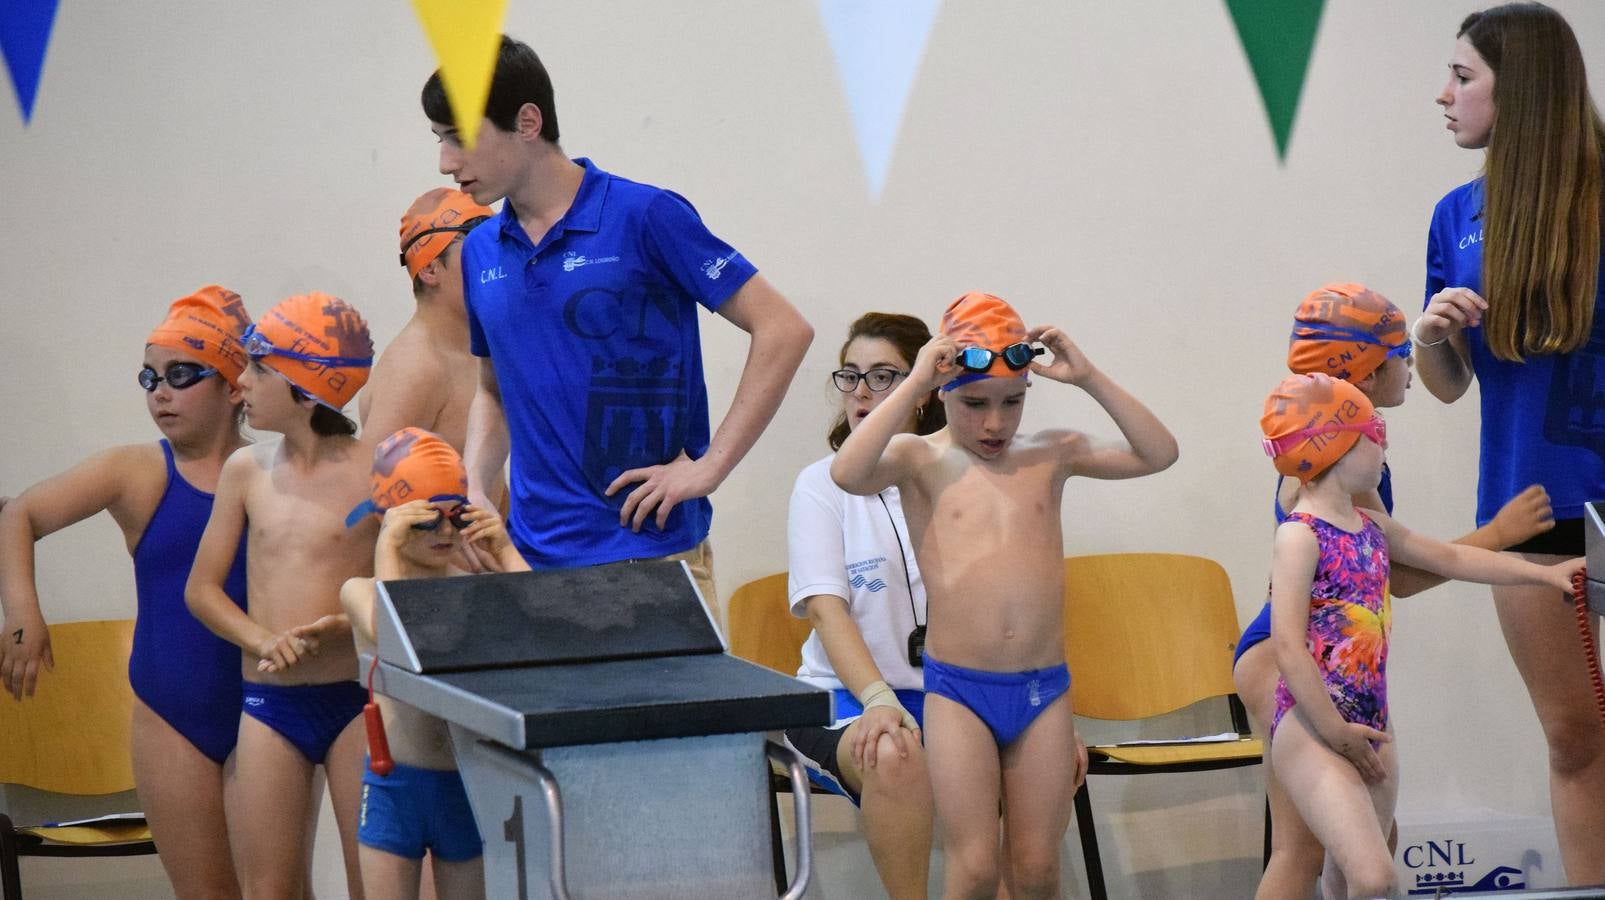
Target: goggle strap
<point x="460" y="229"/>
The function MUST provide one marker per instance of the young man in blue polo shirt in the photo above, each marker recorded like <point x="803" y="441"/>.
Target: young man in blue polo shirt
<point x="582" y="299"/>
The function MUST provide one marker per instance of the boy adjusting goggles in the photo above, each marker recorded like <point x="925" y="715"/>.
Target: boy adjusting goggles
<point x="1015" y="356"/>
<point x="179" y="376"/>
<point x="258" y="346"/>
<point x="457" y="515"/>
<point x="1375" y="430"/>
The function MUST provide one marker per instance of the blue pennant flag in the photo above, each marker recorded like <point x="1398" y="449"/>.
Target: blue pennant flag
<point x="24" y="35"/>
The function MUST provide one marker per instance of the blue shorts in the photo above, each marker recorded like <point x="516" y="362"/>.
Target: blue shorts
<point x="1257" y="631"/>
<point x="1006" y="702"/>
<point x="309" y="716"/>
<point x="412" y="810"/>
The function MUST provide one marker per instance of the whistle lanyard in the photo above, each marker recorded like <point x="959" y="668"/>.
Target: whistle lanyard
<point x="902" y="554"/>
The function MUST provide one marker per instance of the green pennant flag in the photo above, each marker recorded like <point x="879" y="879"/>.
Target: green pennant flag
<point x="1278" y="36"/>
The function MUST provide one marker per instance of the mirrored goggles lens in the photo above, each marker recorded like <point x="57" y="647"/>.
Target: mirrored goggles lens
<point x="179" y="376"/>
<point x="1015" y="356"/>
<point x="877" y="379"/>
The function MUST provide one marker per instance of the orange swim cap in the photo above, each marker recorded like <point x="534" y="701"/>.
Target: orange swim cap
<point x="1303" y="402"/>
<point x="982" y="320"/>
<point x="1347" y="331"/>
<point x="433" y="222"/>
<point x="412" y="464"/>
<point x="318" y="343"/>
<point x="207" y="325"/>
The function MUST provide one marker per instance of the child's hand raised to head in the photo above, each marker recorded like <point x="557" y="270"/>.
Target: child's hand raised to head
<point x="1069" y="364"/>
<point x="936" y="364"/>
<point x="396" y="527"/>
<point x="486" y="531"/>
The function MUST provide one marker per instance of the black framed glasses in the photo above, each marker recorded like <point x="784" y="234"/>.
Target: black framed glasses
<point x="1015" y="356"/>
<point x="179" y="376"/>
<point x="877" y="379"/>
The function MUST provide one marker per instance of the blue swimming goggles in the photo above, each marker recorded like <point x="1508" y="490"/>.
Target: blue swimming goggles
<point x="1015" y="356"/>
<point x="258" y="346"/>
<point x="180" y="375"/>
<point x="1325" y="331"/>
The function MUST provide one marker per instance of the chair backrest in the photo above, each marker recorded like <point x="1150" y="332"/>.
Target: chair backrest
<point x="71" y="737"/>
<point x="762" y="628"/>
<point x="1147" y="633"/>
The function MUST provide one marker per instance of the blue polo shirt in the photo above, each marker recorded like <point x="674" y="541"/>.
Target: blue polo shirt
<point x="1543" y="420"/>
<point x="593" y="331"/>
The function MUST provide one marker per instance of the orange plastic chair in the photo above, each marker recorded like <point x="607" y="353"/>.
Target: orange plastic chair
<point x="1148" y="634"/>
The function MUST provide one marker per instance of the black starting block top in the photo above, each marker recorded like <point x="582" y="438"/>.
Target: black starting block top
<point x="621" y="652"/>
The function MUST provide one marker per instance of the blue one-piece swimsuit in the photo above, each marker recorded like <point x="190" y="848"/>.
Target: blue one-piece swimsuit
<point x="180" y="669"/>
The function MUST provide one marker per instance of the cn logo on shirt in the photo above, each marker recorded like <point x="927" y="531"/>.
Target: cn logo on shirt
<point x="486" y="276"/>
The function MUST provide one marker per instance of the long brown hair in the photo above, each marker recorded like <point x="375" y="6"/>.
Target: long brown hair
<point x="908" y="335"/>
<point x="1542" y="186"/>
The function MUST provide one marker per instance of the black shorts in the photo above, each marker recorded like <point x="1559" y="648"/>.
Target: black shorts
<point x="1565" y="539"/>
<point x="819" y="744"/>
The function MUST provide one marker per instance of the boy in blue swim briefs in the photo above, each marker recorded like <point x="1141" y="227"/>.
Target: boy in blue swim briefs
<point x="420" y="487"/>
<point x="289" y="497"/>
<point x="982" y="504"/>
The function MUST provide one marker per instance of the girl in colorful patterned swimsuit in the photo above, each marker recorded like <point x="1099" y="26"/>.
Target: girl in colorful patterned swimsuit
<point x="1331" y="741"/>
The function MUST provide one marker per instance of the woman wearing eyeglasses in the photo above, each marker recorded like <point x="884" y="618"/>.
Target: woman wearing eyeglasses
<point x="853" y="576"/>
<point x="186" y="681"/>
<point x="1514" y="300"/>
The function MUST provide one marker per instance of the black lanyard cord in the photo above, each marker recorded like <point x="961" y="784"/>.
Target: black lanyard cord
<point x="902" y="554"/>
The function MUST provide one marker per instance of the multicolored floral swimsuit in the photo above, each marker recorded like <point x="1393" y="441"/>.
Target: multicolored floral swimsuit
<point x="1350" y="618"/>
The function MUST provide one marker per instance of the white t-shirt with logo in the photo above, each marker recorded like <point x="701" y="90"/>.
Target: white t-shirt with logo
<point x="844" y="546"/>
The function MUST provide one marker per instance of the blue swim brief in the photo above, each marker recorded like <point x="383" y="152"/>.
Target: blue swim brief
<point x="412" y="810"/>
<point x="1258" y="631"/>
<point x="309" y="716"/>
<point x="1006" y="702"/>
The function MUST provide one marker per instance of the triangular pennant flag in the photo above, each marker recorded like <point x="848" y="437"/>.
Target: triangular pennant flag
<point x="24" y="35"/>
<point x="878" y="45"/>
<point x="1278" y="36"/>
<point x="466" y="35"/>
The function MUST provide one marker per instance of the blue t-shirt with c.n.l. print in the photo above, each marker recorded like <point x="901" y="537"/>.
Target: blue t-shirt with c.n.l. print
<point x="593" y="334"/>
<point x="1543" y="420"/>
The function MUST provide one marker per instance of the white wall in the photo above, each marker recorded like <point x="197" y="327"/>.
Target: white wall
<point x="1106" y="167"/>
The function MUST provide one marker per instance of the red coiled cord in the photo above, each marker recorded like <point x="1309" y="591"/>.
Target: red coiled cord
<point x="1580" y="597"/>
<point x="379" y="761"/>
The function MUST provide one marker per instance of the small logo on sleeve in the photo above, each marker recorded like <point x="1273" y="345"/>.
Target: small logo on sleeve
<point x="713" y="268"/>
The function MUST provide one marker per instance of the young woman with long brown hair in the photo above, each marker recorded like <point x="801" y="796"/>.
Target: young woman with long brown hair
<point x="1513" y="278"/>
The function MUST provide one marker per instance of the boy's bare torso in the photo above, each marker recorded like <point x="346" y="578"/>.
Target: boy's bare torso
<point x="449" y="377"/>
<point x="300" y="551"/>
<point x="990" y="546"/>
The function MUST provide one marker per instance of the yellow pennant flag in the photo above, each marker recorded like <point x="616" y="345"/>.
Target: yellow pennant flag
<point x="466" y="35"/>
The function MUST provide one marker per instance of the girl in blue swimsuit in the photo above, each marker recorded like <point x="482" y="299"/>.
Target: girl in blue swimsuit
<point x="186" y="681"/>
